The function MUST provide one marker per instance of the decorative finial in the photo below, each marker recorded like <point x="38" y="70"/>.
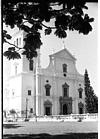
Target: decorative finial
<point x="64" y="44"/>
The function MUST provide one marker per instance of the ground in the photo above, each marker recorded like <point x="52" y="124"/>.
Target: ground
<point x="50" y="130"/>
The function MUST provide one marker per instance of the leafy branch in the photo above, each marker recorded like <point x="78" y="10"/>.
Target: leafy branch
<point x="66" y="15"/>
<point x="13" y="45"/>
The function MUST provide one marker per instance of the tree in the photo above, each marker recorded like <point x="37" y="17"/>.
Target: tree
<point x="33" y="16"/>
<point x="91" y="99"/>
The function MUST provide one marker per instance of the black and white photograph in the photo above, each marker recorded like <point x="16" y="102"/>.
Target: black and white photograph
<point x="49" y="69"/>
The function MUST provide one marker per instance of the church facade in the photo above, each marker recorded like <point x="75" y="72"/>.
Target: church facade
<point x="55" y="90"/>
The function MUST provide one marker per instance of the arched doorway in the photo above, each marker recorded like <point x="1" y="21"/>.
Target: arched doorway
<point x="47" y="108"/>
<point x="65" y="109"/>
<point x="81" y="108"/>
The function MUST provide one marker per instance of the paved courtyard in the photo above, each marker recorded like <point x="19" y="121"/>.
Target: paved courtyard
<point x="52" y="128"/>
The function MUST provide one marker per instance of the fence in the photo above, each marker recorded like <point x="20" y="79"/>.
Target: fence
<point x="71" y="117"/>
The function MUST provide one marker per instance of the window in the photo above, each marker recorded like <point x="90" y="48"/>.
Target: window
<point x="47" y="91"/>
<point x="80" y="90"/>
<point x="31" y="110"/>
<point x="13" y="93"/>
<point x="31" y="65"/>
<point x="17" y="41"/>
<point x="65" y="90"/>
<point x="80" y="94"/>
<point x="47" y="87"/>
<point x="64" y="68"/>
<point x="29" y="92"/>
<point x="64" y="75"/>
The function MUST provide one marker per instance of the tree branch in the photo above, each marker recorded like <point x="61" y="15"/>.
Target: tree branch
<point x="13" y="45"/>
<point x="47" y="26"/>
<point x="40" y="23"/>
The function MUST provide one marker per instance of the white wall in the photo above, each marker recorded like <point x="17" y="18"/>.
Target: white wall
<point x="15" y="87"/>
<point x="28" y="84"/>
<point x="54" y="73"/>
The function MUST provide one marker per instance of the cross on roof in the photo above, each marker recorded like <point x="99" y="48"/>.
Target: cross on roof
<point x="64" y="44"/>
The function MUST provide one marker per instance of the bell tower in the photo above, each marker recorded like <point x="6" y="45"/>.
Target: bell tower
<point x="23" y="78"/>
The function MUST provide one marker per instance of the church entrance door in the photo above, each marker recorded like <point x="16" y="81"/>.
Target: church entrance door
<point x="80" y="110"/>
<point x="65" y="109"/>
<point x="47" y="110"/>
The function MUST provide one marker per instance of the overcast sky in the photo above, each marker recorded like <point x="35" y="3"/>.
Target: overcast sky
<point x="83" y="47"/>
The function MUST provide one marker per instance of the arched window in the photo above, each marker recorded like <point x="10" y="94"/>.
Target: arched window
<point x="31" y="65"/>
<point x="47" y="88"/>
<point x="80" y="90"/>
<point x="65" y="90"/>
<point x="64" y="68"/>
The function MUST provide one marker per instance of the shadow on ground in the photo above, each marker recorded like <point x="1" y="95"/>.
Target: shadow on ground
<point x="48" y="136"/>
<point x="10" y="126"/>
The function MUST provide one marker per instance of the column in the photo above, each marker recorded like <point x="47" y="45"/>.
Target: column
<point x="38" y="87"/>
<point x="38" y="107"/>
<point x="61" y="109"/>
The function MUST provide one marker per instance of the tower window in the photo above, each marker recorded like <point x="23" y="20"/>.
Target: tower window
<point x="13" y="92"/>
<point x="29" y="92"/>
<point x="31" y="110"/>
<point x="17" y="41"/>
<point x="64" y="68"/>
<point x="31" y="65"/>
<point x="47" y="87"/>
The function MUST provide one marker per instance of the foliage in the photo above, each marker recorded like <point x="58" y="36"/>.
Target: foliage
<point x="32" y="17"/>
<point x="91" y="99"/>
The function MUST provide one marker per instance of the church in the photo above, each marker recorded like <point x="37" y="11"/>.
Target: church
<point x="55" y="90"/>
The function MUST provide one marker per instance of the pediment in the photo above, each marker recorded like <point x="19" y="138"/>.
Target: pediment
<point x="47" y="102"/>
<point x="64" y="54"/>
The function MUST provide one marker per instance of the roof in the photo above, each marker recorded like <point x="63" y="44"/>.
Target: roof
<point x="61" y="52"/>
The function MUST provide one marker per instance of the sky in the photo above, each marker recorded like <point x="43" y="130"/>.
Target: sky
<point x="83" y="47"/>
